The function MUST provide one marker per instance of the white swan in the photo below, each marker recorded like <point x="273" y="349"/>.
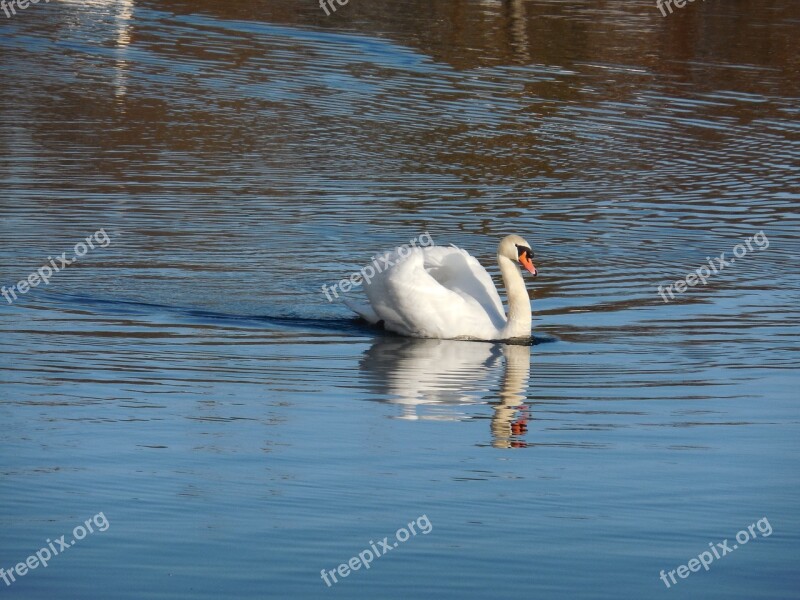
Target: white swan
<point x="443" y="292"/>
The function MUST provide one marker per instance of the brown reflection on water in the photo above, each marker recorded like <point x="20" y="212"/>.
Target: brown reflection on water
<point x="744" y="47"/>
<point x="469" y="33"/>
<point x="191" y="124"/>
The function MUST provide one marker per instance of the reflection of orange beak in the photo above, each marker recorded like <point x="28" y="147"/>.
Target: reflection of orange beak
<point x="528" y="264"/>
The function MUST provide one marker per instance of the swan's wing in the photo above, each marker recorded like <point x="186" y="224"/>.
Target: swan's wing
<point x="456" y="270"/>
<point x="362" y="310"/>
<point x="437" y="292"/>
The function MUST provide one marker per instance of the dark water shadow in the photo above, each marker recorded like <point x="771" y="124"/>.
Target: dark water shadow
<point x="182" y="314"/>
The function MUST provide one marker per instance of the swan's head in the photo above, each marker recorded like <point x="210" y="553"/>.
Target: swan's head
<point x="518" y="250"/>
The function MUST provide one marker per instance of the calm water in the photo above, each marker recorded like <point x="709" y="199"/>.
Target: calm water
<point x="191" y="382"/>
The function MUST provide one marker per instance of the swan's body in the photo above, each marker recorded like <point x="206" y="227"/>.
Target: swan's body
<point x="443" y="292"/>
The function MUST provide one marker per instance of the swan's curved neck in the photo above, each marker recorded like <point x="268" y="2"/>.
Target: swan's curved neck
<point x="519" y="305"/>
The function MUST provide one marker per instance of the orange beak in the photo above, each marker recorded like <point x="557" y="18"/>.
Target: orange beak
<point x="528" y="264"/>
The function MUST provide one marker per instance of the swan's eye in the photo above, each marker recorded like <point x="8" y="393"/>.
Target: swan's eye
<point x="524" y="253"/>
<point x="525" y="258"/>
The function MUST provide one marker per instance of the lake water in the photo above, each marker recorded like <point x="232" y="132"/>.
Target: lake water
<point x="239" y="433"/>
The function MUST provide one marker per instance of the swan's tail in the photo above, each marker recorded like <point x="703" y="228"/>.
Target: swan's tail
<point x="363" y="310"/>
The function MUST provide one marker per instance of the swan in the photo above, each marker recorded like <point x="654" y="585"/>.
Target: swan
<point x="442" y="292"/>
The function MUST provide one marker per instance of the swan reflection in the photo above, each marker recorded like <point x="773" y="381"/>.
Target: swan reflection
<point x="434" y="379"/>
